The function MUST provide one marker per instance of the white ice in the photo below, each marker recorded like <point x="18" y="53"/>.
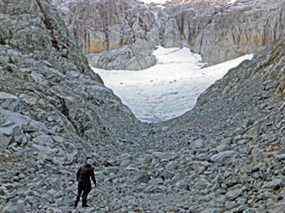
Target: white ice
<point x="232" y="1"/>
<point x="168" y="89"/>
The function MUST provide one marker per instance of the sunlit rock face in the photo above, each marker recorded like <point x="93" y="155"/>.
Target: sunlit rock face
<point x="222" y="30"/>
<point x="233" y="30"/>
<point x="218" y="30"/>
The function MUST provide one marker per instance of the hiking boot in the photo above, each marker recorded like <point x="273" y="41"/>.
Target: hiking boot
<point x="75" y="205"/>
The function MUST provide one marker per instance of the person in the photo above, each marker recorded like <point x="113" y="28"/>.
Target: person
<point x="83" y="176"/>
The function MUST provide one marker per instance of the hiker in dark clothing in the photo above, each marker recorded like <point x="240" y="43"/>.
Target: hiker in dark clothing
<point x="84" y="174"/>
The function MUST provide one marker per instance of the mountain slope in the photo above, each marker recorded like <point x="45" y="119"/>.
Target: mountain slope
<point x="236" y="134"/>
<point x="54" y="111"/>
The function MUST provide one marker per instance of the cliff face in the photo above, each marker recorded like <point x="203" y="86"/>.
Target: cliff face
<point x="223" y="30"/>
<point x="124" y="33"/>
<point x="109" y="24"/>
<point x="119" y="30"/>
<point x="218" y="30"/>
<point x="233" y="30"/>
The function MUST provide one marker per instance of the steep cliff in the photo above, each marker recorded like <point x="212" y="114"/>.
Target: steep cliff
<point x="232" y="30"/>
<point x="218" y="30"/>
<point x="124" y="32"/>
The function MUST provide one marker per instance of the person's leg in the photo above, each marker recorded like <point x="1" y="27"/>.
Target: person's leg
<point x="79" y="192"/>
<point x="86" y="191"/>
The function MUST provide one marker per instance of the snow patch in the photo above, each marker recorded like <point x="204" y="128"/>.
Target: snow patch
<point x="168" y="89"/>
<point x="232" y="1"/>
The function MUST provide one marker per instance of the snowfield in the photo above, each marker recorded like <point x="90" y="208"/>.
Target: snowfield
<point x="168" y="89"/>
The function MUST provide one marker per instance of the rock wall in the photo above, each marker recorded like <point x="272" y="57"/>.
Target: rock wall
<point x="126" y="27"/>
<point x="244" y="27"/>
<point x="129" y="30"/>
<point x="120" y="34"/>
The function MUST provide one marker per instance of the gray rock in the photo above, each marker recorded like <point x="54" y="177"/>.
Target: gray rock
<point x="144" y="178"/>
<point x="135" y="57"/>
<point x="222" y="156"/>
<point x="2" y="191"/>
<point x="281" y="157"/>
<point x="274" y="184"/>
<point x="234" y="194"/>
<point x="15" y="208"/>
<point x="198" y="144"/>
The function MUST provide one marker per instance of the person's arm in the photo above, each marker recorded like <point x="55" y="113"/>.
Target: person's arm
<point x="78" y="174"/>
<point x="93" y="176"/>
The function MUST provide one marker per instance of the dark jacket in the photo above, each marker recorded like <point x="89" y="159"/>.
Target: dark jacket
<point x="85" y="173"/>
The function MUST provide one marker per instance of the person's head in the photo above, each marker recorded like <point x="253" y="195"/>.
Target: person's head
<point x="89" y="161"/>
